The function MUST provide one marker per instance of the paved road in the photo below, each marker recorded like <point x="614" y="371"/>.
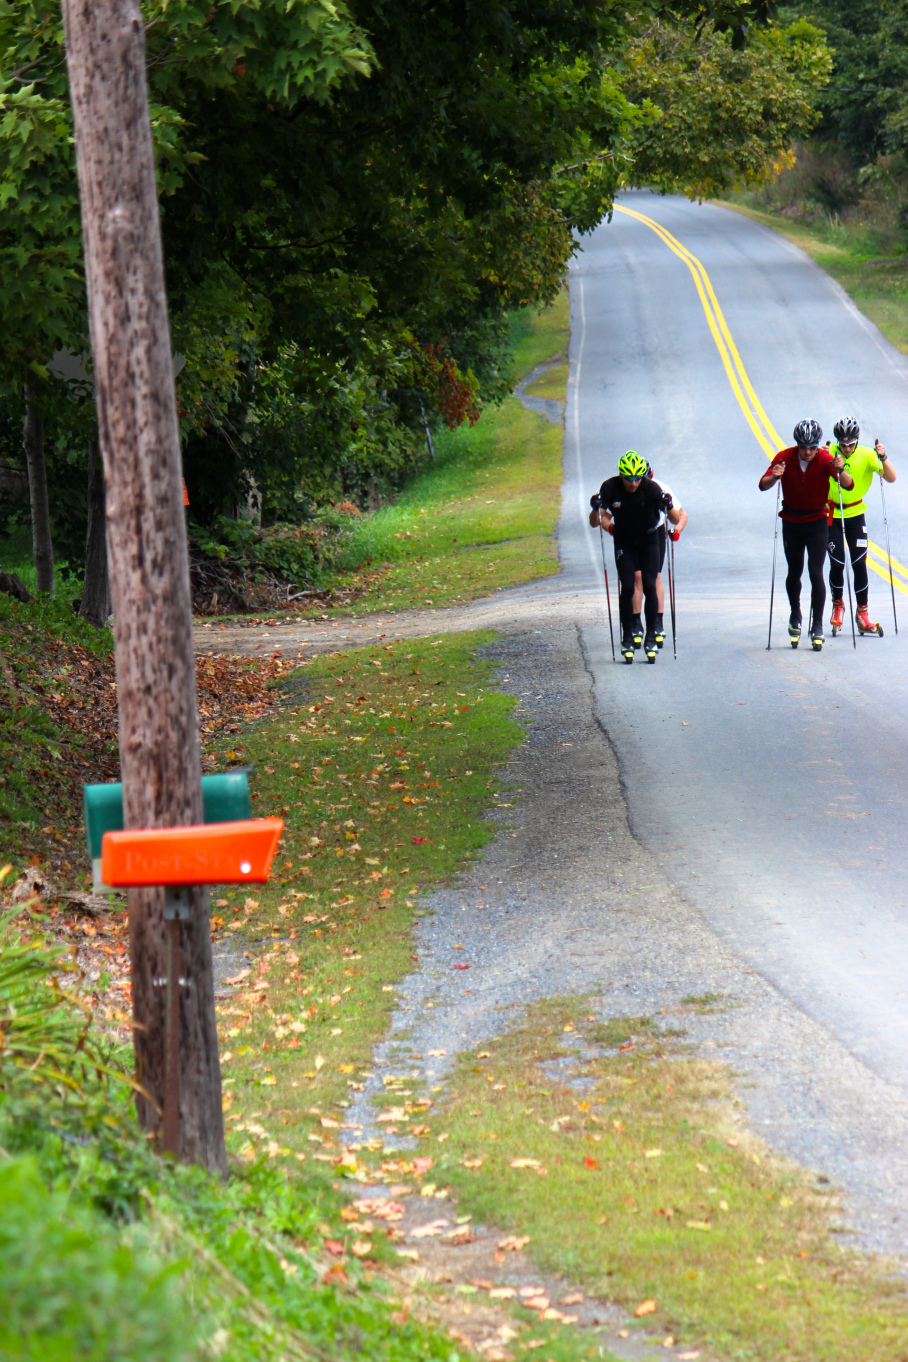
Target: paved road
<point x="770" y="785"/>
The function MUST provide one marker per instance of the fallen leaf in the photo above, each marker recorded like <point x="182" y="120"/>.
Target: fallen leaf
<point x="514" y="1242"/>
<point x="698" y="1225"/>
<point x="537" y="1303"/>
<point x="590" y="1163"/>
<point x="417" y="840"/>
<point x="412" y="1254"/>
<point x="646" y="1308"/>
<point x="319" y="1061"/>
<point x="434" y="1054"/>
<point x="688" y="1357"/>
<point x="361" y="1248"/>
<point x="502" y="1293"/>
<point x="334" y="1246"/>
<point x="573" y="1299"/>
<point x="456" y="966"/>
<point x="525" y="1163"/>
<point x="653" y="1154"/>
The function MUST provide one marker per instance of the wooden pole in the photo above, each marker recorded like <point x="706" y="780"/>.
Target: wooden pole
<point x="149" y="569"/>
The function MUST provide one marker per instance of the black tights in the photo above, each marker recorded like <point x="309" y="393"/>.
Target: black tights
<point x="856" y="534"/>
<point x="812" y="538"/>
<point x="642" y="557"/>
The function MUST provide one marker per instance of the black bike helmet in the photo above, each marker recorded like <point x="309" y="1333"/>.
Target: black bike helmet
<point x="847" y="429"/>
<point x="808" y="433"/>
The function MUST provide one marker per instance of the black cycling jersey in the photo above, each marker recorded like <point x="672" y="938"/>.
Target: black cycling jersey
<point x="635" y="514"/>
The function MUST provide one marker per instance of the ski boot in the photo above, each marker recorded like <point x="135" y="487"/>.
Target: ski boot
<point x="660" y="632"/>
<point x="838" y="617"/>
<point x="816" y="638"/>
<point x="865" y="624"/>
<point x="627" y="646"/>
<point x="650" y="647"/>
<point x="637" y="632"/>
<point x="794" y="630"/>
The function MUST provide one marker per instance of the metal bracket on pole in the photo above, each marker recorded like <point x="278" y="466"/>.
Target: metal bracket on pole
<point x="176" y="912"/>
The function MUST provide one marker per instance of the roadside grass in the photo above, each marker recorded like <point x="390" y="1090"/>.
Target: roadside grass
<point x="109" y="1252"/>
<point x="382" y="772"/>
<point x="626" y="1166"/>
<point x="879" y="287"/>
<point x="552" y="383"/>
<point x="482" y="516"/>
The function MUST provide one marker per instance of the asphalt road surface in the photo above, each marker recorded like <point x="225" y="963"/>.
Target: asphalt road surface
<point x="770" y="785"/>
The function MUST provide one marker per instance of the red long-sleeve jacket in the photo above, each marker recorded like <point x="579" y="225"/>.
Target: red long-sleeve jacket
<point x="804" y="494"/>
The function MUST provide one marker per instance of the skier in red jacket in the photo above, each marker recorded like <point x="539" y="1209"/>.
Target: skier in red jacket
<point x="805" y="469"/>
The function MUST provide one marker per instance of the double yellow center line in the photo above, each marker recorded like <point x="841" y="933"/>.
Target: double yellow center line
<point x="768" y="438"/>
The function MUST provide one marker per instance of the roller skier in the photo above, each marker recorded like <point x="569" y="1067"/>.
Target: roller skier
<point x="861" y="462"/>
<point x="664" y="530"/>
<point x="805" y="469"/>
<point x="629" y="507"/>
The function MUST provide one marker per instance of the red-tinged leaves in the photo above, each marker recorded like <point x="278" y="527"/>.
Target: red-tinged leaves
<point x="458" y="966"/>
<point x="420" y="840"/>
<point x="590" y="1163"/>
<point x="334" y="1246"/>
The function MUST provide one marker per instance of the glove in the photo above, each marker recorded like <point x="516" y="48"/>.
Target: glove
<point x="674" y="535"/>
<point x="666" y="501"/>
<point x="595" y="502"/>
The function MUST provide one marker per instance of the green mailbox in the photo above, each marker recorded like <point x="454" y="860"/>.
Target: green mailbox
<point x="225" y="799"/>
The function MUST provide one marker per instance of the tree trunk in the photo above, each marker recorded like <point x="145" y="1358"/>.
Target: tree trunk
<point x="95" y="605"/>
<point x="33" y="444"/>
<point x="149" y="568"/>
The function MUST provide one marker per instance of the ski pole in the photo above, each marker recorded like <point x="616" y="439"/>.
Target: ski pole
<point x="775" y="541"/>
<point x="888" y="552"/>
<point x="845" y="563"/>
<point x="671" y="590"/>
<point x="607" y="596"/>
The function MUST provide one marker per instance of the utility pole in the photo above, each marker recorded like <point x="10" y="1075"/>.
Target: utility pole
<point x="146" y="537"/>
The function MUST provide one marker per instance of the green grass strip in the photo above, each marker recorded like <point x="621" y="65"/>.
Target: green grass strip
<point x="630" y="1173"/>
<point x="382" y="774"/>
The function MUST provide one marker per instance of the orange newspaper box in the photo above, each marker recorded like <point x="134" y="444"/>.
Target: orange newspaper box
<point x="209" y="853"/>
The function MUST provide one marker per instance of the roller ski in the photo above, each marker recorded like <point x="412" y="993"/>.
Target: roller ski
<point x="794" y="630"/>
<point x="650" y="647"/>
<point x="637" y="632"/>
<point x="837" y="619"/>
<point x="660" y="632"/>
<point x="816" y="638"/>
<point x="865" y="624"/>
<point x="627" y="646"/>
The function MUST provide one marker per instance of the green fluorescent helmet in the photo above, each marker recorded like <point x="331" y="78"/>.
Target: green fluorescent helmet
<point x="632" y="465"/>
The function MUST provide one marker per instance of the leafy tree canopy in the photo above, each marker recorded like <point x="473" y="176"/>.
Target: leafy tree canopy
<point x="354" y="195"/>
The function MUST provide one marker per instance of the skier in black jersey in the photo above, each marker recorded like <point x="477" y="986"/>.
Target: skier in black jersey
<point x="629" y="507"/>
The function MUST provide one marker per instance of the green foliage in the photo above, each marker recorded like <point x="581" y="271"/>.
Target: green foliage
<point x="109" y="1253"/>
<point x="301" y="554"/>
<point x="351" y="208"/>
<point x="721" y="119"/>
<point x="72" y="1285"/>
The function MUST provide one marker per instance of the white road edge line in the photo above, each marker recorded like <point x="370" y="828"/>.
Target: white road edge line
<point x="576" y="381"/>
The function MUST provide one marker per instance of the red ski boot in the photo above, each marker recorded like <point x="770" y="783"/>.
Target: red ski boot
<point x="838" y="617"/>
<point x="865" y="624"/>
